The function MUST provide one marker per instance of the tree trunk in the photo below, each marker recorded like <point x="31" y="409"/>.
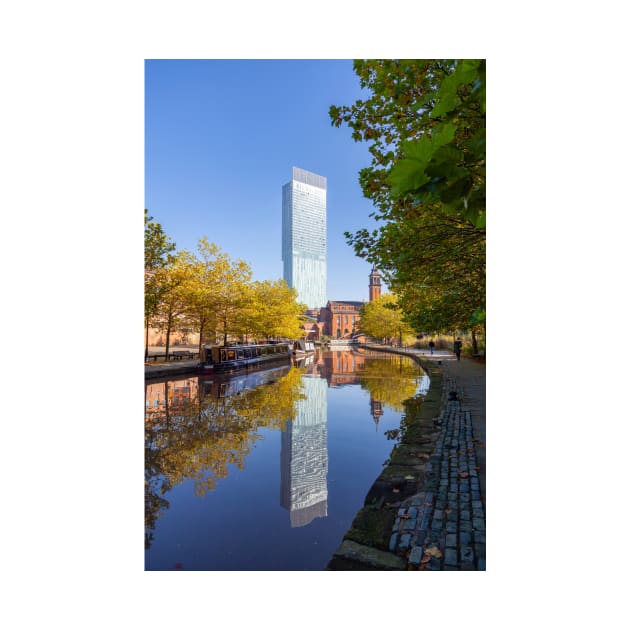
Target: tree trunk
<point x="200" y="339"/>
<point x="474" y="342"/>
<point x="146" y="341"/>
<point x="168" y="334"/>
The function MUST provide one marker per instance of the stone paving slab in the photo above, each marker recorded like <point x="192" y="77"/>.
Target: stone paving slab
<point x="351" y="554"/>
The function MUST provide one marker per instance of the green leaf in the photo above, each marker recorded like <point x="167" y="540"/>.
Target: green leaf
<point x="407" y="175"/>
<point x="467" y="70"/>
<point x="457" y="190"/>
<point x="446" y="103"/>
<point x="444" y="135"/>
<point x="420" y="150"/>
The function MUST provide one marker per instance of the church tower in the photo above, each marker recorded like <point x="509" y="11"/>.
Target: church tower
<point x="376" y="409"/>
<point x="375" y="284"/>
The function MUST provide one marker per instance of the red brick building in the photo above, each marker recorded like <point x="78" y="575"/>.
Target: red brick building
<point x="340" y="319"/>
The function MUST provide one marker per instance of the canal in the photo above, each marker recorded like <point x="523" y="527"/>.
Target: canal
<point x="266" y="470"/>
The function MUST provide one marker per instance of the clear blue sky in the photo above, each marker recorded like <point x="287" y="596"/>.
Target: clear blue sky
<point x="221" y="138"/>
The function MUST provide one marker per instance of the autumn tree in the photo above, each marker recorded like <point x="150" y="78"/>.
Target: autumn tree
<point x="383" y="319"/>
<point x="231" y="294"/>
<point x="172" y="281"/>
<point x="276" y="311"/>
<point x="201" y="289"/>
<point x="158" y="252"/>
<point x="425" y="122"/>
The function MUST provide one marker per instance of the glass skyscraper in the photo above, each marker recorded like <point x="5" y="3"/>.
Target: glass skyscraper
<point x="304" y="236"/>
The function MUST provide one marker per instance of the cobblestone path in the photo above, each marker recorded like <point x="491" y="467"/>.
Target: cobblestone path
<point x="443" y="527"/>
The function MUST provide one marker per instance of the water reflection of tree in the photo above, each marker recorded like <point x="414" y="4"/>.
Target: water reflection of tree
<point x="206" y="435"/>
<point x="389" y="380"/>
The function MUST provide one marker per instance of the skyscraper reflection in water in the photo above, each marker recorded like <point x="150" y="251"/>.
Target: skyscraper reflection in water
<point x="304" y="456"/>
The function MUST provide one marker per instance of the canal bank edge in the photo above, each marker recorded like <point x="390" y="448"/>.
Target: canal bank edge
<point x="366" y="545"/>
<point x="170" y="369"/>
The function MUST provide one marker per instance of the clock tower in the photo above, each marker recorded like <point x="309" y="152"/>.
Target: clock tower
<point x="375" y="284"/>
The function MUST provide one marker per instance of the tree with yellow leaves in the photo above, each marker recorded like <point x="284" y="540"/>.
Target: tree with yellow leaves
<point x="173" y="280"/>
<point x="276" y="311"/>
<point x="382" y="319"/>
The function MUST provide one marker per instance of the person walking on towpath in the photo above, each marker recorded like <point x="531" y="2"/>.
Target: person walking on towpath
<point x="431" y="346"/>
<point x="457" y="347"/>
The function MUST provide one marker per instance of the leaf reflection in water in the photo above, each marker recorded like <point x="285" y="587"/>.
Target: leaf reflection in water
<point x="190" y="437"/>
<point x="390" y="379"/>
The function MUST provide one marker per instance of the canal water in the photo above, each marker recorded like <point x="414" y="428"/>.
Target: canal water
<point x="266" y="470"/>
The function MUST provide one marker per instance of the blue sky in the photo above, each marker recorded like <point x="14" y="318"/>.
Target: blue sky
<point x="221" y="137"/>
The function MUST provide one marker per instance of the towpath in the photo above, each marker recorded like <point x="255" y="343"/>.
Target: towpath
<point x="444" y="526"/>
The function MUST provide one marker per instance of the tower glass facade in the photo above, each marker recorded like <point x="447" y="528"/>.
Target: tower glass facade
<point x="304" y="236"/>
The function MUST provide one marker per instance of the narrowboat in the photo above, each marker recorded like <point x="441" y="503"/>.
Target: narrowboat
<point x="238" y="357"/>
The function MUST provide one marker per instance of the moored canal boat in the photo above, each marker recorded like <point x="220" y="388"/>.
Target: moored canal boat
<point x="238" y="357"/>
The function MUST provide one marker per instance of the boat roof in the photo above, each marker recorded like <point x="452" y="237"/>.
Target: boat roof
<point x="250" y="345"/>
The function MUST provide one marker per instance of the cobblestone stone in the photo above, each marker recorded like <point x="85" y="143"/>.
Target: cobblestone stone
<point x="416" y="554"/>
<point x="466" y="554"/>
<point x="480" y="537"/>
<point x="392" y="542"/>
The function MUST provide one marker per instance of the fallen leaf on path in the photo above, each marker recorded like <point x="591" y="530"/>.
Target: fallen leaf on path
<point x="434" y="552"/>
